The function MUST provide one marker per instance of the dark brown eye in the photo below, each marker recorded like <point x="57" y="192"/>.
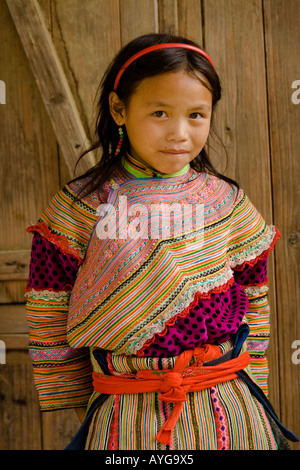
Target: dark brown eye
<point x="159" y="114"/>
<point x="196" y="116"/>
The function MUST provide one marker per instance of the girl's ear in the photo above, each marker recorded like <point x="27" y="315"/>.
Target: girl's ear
<point x="117" y="108"/>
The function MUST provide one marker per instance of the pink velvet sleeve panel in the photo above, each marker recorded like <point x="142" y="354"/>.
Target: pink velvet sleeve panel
<point x="253" y="275"/>
<point x="49" y="267"/>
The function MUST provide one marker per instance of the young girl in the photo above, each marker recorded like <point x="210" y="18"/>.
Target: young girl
<point x="147" y="289"/>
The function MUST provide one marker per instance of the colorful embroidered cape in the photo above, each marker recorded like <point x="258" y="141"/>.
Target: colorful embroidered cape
<point x="133" y="270"/>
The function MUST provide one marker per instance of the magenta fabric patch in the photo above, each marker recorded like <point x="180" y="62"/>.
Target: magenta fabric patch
<point x="49" y="267"/>
<point x="252" y="275"/>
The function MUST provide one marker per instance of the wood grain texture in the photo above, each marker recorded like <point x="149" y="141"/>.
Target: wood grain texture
<point x="168" y="16"/>
<point x="189" y="14"/>
<point x="13" y="319"/>
<point x="282" y="53"/>
<point x="14" y="264"/>
<point x="29" y="177"/>
<point x="59" y="428"/>
<point x="20" y="417"/>
<point x="255" y="46"/>
<point x="137" y="18"/>
<point x="52" y="82"/>
<point x="97" y="33"/>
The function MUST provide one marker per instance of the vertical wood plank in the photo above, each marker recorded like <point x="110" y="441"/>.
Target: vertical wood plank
<point x="282" y="19"/>
<point x="168" y="16"/>
<point x="59" y="428"/>
<point x="240" y="61"/>
<point x="19" y="412"/>
<point x="242" y="119"/>
<point x="137" y="18"/>
<point x="190" y="20"/>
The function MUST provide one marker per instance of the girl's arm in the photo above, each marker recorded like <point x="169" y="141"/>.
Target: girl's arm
<point x="253" y="280"/>
<point x="60" y="238"/>
<point x="62" y="375"/>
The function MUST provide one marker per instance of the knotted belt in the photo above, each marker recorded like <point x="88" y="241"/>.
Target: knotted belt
<point x="173" y="384"/>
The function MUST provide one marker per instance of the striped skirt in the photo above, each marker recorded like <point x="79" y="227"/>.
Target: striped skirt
<point x="225" y="416"/>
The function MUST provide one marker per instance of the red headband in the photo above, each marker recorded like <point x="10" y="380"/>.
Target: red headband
<point x="155" y="48"/>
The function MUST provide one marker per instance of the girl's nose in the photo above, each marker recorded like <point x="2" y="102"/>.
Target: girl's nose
<point x="177" y="131"/>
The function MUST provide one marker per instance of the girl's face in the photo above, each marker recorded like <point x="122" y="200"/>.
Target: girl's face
<point x="167" y="120"/>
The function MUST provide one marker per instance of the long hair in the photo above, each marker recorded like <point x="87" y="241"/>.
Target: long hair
<point x="106" y="135"/>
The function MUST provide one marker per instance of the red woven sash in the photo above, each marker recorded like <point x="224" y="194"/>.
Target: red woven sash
<point x="173" y="384"/>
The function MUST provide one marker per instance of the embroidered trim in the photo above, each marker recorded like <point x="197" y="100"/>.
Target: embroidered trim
<point x="59" y="240"/>
<point x="114" y="430"/>
<point x="49" y="294"/>
<point x="63" y="405"/>
<point x="52" y="344"/>
<point x="258" y="346"/>
<point x="53" y="354"/>
<point x="255" y="290"/>
<point x="140" y="170"/>
<point x="255" y="253"/>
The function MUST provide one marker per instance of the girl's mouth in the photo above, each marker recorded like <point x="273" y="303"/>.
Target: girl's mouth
<point x="175" y="151"/>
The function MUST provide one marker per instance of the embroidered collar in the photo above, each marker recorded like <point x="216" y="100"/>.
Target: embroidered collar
<point x="140" y="170"/>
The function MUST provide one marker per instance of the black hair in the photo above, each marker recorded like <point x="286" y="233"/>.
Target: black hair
<point x="106" y="134"/>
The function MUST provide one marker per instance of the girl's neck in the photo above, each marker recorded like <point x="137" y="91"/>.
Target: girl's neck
<point x="140" y="170"/>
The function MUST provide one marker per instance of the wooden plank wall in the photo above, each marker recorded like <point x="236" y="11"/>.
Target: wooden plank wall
<point x="255" y="45"/>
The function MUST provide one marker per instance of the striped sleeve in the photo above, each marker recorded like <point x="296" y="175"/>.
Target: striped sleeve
<point x="253" y="279"/>
<point x="62" y="374"/>
<point x="258" y="318"/>
<point x="68" y="222"/>
<point x="250" y="243"/>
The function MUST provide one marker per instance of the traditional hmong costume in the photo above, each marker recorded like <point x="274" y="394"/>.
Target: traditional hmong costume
<point x="147" y="303"/>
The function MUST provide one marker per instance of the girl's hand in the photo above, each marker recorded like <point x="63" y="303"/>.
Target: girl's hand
<point x="81" y="412"/>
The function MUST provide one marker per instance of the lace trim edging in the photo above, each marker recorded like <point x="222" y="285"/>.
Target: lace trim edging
<point x="256" y="290"/>
<point x="257" y="255"/>
<point x="47" y="293"/>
